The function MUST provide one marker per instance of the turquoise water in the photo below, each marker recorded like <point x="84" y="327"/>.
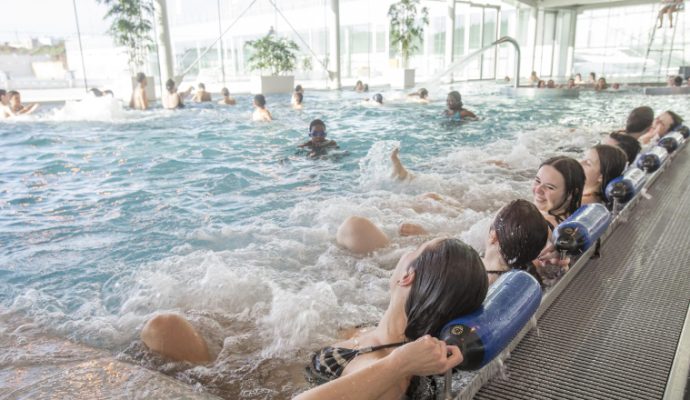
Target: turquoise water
<point x="109" y="217"/>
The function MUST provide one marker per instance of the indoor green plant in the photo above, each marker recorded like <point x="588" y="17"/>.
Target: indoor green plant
<point x="406" y="33"/>
<point x="274" y="54"/>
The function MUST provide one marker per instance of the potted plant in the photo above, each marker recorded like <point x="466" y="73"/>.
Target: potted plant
<point x="131" y="28"/>
<point x="275" y="55"/>
<point x="406" y="33"/>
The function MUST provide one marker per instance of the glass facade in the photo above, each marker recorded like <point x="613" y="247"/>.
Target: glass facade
<point x="613" y="42"/>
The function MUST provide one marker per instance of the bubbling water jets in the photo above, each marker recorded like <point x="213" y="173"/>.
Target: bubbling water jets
<point x="91" y="109"/>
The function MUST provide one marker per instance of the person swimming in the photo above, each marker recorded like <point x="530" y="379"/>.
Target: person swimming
<point x="172" y="99"/>
<point x="359" y="87"/>
<point x="14" y="106"/>
<point x="261" y="113"/>
<point x="297" y="98"/>
<point x="439" y="281"/>
<point x="455" y="110"/>
<point x="420" y="96"/>
<point x="601" y="84"/>
<point x="201" y="95"/>
<point x="139" y="100"/>
<point x="227" y="99"/>
<point x="318" y="144"/>
<point x="601" y="163"/>
<point x="630" y="146"/>
<point x="375" y="100"/>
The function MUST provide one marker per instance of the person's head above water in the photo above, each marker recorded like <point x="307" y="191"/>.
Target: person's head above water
<point x="665" y="122"/>
<point x="630" y="146"/>
<point x="454" y="101"/>
<point x="299" y="89"/>
<point x="201" y="86"/>
<point x="317" y="128"/>
<point x="601" y="164"/>
<point x="96" y="92"/>
<point x="551" y="84"/>
<point x="678" y="81"/>
<point x="141" y="78"/>
<point x="225" y="92"/>
<point x="3" y="97"/>
<point x="541" y="84"/>
<point x="260" y="100"/>
<point x="439" y="281"/>
<point x="170" y="86"/>
<point x="378" y="97"/>
<point x="520" y="231"/>
<point x="639" y="120"/>
<point x="558" y="187"/>
<point x="423" y="93"/>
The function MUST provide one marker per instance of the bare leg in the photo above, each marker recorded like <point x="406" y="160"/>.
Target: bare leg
<point x="670" y="18"/>
<point x="172" y="336"/>
<point x="399" y="171"/>
<point x="361" y="236"/>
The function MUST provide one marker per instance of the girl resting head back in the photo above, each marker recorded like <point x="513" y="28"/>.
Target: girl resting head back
<point x="602" y="163"/>
<point x="558" y="188"/>
<point x="520" y="233"/>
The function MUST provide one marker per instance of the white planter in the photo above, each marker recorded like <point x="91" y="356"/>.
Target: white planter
<point x="402" y="78"/>
<point x="272" y="84"/>
<point x="150" y="87"/>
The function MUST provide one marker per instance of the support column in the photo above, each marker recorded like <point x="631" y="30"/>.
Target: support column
<point x="450" y="35"/>
<point x="334" y="45"/>
<point x="570" y="54"/>
<point x="164" y="44"/>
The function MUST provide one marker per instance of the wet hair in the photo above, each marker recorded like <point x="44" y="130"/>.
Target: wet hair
<point x="678" y="80"/>
<point x="201" y="86"/>
<point x="96" y="92"/>
<point x="639" y="120"/>
<point x="455" y="101"/>
<point x="612" y="162"/>
<point x="630" y="146"/>
<point x="298" y="97"/>
<point x="574" y="178"/>
<point x="541" y="84"/>
<point x="225" y="92"/>
<point x="3" y="92"/>
<point x="12" y="93"/>
<point x="299" y="89"/>
<point x="170" y="86"/>
<point x="317" y="122"/>
<point x="378" y="97"/>
<point x="450" y="281"/>
<point x="260" y="100"/>
<point x="423" y="93"/>
<point x="593" y="75"/>
<point x="109" y="92"/>
<point x="141" y="77"/>
<point x="522" y="233"/>
<point x="677" y="120"/>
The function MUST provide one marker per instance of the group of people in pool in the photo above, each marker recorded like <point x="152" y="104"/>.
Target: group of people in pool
<point x="574" y="82"/>
<point x="172" y="98"/>
<point x="11" y="104"/>
<point x="443" y="278"/>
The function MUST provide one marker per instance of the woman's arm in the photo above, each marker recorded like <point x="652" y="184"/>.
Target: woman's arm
<point x="425" y="356"/>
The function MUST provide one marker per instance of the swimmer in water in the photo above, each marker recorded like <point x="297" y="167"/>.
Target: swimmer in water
<point x="201" y="95"/>
<point x="601" y="163"/>
<point x="299" y="89"/>
<point x="297" y="98"/>
<point x="318" y="143"/>
<point x="359" y="87"/>
<point x="601" y="84"/>
<point x="420" y="96"/>
<point x="261" y="113"/>
<point x="376" y="100"/>
<point x="454" y="110"/>
<point x="139" y="101"/>
<point x="14" y="105"/>
<point x="226" y="100"/>
<point x="172" y="99"/>
<point x="551" y="84"/>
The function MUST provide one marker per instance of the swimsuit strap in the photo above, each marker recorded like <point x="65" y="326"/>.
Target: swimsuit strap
<point x="496" y="272"/>
<point x="370" y="349"/>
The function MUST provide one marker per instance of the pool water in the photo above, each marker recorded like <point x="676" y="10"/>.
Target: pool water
<point x="109" y="216"/>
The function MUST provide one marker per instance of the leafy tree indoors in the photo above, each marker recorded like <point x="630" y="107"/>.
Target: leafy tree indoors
<point x="405" y="31"/>
<point x="131" y="27"/>
<point x="276" y="54"/>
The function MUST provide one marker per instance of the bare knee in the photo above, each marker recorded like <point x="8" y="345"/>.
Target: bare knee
<point x="360" y="235"/>
<point x="174" y="337"/>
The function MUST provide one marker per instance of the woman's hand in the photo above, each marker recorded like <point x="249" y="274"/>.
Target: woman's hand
<point x="426" y="356"/>
<point x="549" y="255"/>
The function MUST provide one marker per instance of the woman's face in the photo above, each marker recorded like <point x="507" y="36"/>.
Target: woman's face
<point x="404" y="263"/>
<point x="662" y="124"/>
<point x="592" y="166"/>
<point x="548" y="189"/>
